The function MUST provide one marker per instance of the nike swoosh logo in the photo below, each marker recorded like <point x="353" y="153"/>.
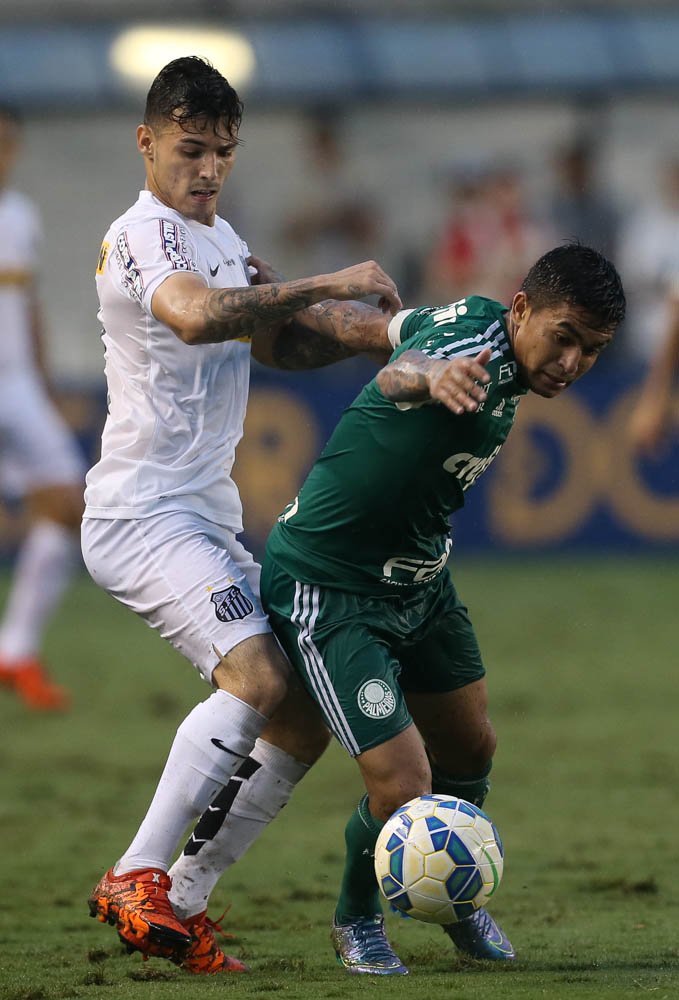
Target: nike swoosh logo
<point x="213" y="273"/>
<point x="221" y="746"/>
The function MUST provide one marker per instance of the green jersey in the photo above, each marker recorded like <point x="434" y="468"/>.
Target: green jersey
<point x="373" y="514"/>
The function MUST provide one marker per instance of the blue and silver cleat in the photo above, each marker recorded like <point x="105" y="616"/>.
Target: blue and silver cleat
<point x="480" y="937"/>
<point x="362" y="947"/>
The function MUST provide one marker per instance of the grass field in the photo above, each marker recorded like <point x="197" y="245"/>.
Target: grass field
<point x="583" y="676"/>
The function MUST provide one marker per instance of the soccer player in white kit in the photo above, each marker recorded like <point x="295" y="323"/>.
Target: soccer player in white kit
<point x="40" y="462"/>
<point x="182" y="300"/>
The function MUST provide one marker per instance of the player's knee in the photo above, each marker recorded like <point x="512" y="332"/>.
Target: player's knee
<point x="305" y="740"/>
<point x="255" y="671"/>
<point x="471" y="755"/>
<point x="391" y="794"/>
<point x="484" y="751"/>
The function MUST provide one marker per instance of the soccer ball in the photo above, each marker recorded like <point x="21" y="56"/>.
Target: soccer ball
<point x="438" y="859"/>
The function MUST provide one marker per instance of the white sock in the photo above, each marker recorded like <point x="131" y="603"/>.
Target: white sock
<point x="42" y="571"/>
<point x="257" y="792"/>
<point x="211" y="743"/>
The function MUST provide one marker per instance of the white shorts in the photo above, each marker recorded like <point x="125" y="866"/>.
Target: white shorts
<point x="37" y="449"/>
<point x="190" y="579"/>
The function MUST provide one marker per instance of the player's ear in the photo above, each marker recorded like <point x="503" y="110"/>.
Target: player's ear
<point x="519" y="306"/>
<point x="145" y="140"/>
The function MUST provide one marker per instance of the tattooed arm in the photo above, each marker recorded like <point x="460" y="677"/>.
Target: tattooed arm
<point x="414" y="377"/>
<point x="201" y="315"/>
<point x="323" y="334"/>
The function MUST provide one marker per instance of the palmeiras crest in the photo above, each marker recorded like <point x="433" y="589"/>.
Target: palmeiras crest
<point x="231" y="604"/>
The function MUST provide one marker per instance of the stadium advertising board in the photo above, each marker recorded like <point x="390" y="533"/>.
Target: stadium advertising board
<point x="566" y="478"/>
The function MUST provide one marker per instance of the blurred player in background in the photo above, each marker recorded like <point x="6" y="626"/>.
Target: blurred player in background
<point x="181" y="302"/>
<point x="39" y="461"/>
<point x="581" y="207"/>
<point x="489" y="237"/>
<point x="337" y="221"/>
<point x="649" y="243"/>
<point x="651" y="422"/>
<point x="356" y="582"/>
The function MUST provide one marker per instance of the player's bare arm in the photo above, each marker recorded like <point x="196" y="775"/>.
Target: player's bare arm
<point x="201" y="315"/>
<point x="649" y="424"/>
<point x="457" y="383"/>
<point x="324" y="333"/>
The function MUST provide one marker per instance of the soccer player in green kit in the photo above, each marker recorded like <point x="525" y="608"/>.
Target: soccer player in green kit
<point x="356" y="585"/>
<point x="355" y="579"/>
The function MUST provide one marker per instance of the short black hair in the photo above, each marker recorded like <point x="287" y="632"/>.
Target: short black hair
<point x="581" y="276"/>
<point x="191" y="91"/>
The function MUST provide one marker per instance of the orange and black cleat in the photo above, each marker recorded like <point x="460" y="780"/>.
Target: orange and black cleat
<point x="137" y="905"/>
<point x="29" y="679"/>
<point x="204" y="956"/>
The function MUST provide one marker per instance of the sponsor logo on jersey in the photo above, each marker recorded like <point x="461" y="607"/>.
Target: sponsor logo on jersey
<point x="467" y="468"/>
<point x="227" y="262"/>
<point x="450" y="313"/>
<point x="131" y="274"/>
<point x="174" y="246"/>
<point x="506" y="373"/>
<point x="376" y="699"/>
<point x="290" y="512"/>
<point x="499" y="409"/>
<point x="231" y="604"/>
<point x="103" y="257"/>
<point x="422" y="570"/>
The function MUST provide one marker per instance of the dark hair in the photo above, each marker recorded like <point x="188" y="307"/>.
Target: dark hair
<point x="190" y="90"/>
<point x="581" y="276"/>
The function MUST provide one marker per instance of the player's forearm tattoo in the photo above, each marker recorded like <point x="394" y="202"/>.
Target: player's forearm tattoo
<point x="231" y="313"/>
<point x="357" y="325"/>
<point x="405" y="380"/>
<point x="297" y="347"/>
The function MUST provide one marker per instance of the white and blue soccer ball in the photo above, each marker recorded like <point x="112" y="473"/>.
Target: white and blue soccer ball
<point x="438" y="859"/>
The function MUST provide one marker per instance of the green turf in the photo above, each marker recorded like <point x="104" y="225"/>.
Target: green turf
<point x="583" y="678"/>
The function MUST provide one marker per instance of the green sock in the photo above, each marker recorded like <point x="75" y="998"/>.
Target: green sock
<point x="359" y="894"/>
<point x="472" y="789"/>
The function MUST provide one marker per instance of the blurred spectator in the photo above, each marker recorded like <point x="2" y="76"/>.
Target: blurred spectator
<point x="337" y="224"/>
<point x="649" y="261"/>
<point x="580" y="209"/>
<point x="489" y="239"/>
<point x="651" y="423"/>
<point x="39" y="461"/>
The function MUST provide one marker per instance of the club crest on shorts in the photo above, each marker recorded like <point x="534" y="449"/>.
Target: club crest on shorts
<point x="376" y="699"/>
<point x="231" y="604"/>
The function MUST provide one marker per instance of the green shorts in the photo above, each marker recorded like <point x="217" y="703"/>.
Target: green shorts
<point x="359" y="655"/>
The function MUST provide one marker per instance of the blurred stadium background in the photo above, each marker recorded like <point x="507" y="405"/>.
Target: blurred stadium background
<point x="424" y="102"/>
<point x="398" y="129"/>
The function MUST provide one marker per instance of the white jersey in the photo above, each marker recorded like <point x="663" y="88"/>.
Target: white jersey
<point x="20" y="236"/>
<point x="175" y="411"/>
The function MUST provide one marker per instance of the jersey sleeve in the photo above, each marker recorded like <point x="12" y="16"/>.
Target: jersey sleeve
<point x="460" y="329"/>
<point x="404" y="325"/>
<point x="146" y="253"/>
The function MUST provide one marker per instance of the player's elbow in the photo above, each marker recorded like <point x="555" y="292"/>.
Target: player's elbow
<point x="182" y="308"/>
<point x="384" y="381"/>
<point x="191" y="332"/>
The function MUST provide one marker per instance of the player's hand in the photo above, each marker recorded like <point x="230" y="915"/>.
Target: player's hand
<point x="361" y="280"/>
<point x="648" y="426"/>
<point x="458" y="383"/>
<point x="261" y="272"/>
